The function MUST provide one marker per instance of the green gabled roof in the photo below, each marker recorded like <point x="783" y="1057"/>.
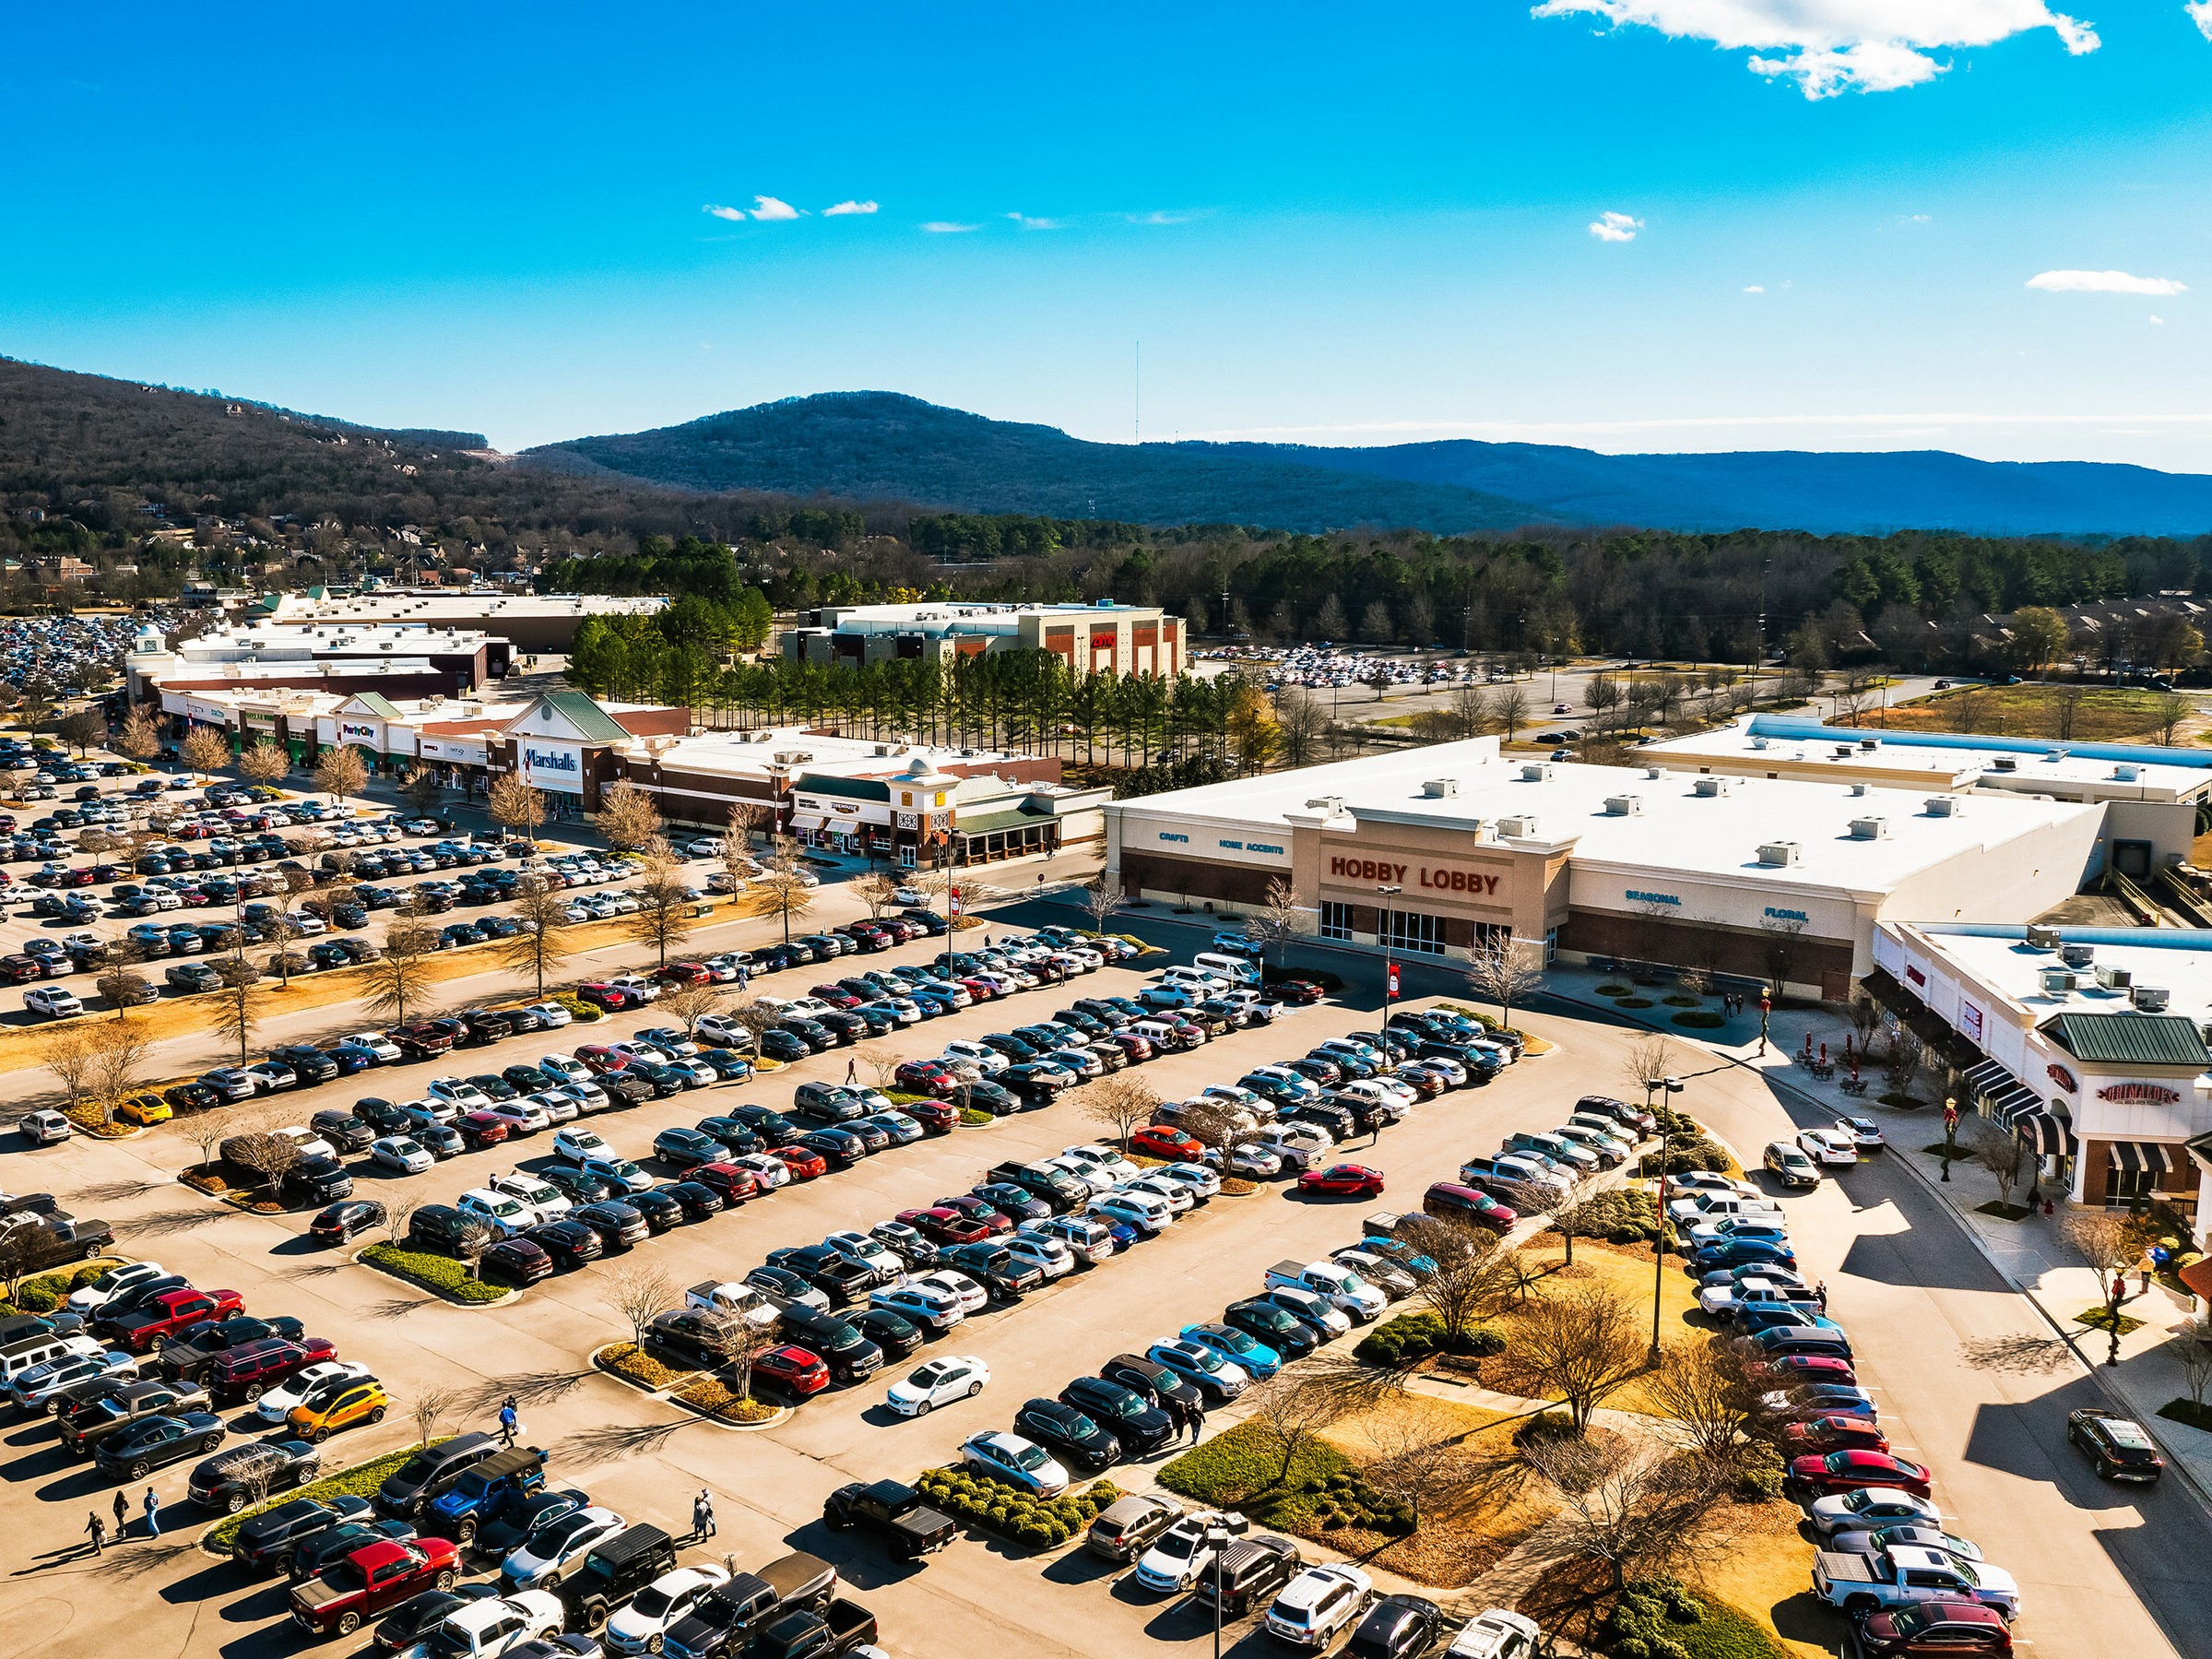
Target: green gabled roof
<point x="2142" y="1039"/>
<point x="984" y="824"/>
<point x="855" y="789"/>
<point x="377" y="704"/>
<point x="580" y="711"/>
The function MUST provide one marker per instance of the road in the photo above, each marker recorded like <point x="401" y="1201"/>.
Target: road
<point x="2104" y="1571"/>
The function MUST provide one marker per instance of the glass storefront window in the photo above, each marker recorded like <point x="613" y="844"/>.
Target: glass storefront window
<point x="1336" y="919"/>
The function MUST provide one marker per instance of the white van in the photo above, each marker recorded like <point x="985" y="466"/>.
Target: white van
<point x="1161" y="1035"/>
<point x="19" y="1356"/>
<point x="1237" y="970"/>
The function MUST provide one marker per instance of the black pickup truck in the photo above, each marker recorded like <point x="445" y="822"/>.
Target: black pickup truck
<point x="36" y="1241"/>
<point x="837" y="1629"/>
<point x="909" y="1528"/>
<point x="722" y="1624"/>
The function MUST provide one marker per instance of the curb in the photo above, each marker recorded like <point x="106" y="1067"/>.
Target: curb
<point x="510" y="1296"/>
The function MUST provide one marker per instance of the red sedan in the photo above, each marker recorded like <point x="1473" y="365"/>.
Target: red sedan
<point x="1833" y="1432"/>
<point x="685" y="972"/>
<point x="981" y="990"/>
<point x="599" y="1060"/>
<point x="481" y="1128"/>
<point x="804" y="1164"/>
<point x="1160" y="1141"/>
<point x="836" y="996"/>
<point x="795" y="1371"/>
<point x="732" y="1184"/>
<point x="1298" y="993"/>
<point x="925" y="1077"/>
<point x="941" y="1226"/>
<point x="939" y="1117"/>
<point x="1850" y="1471"/>
<point x="1341" y="1180"/>
<point x="613" y="999"/>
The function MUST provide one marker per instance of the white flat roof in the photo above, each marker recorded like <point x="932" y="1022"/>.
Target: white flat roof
<point x="2158" y="772"/>
<point x="421" y="604"/>
<point x="1673" y="827"/>
<point x="964" y="611"/>
<point x="2178" y="959"/>
<point x="726" y="753"/>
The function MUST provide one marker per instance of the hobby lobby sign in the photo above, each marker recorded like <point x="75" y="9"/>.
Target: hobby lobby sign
<point x="1437" y="880"/>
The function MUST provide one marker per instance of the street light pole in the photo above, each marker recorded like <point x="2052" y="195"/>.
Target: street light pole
<point x="1217" y="1540"/>
<point x="1389" y="992"/>
<point x="1659" y="1248"/>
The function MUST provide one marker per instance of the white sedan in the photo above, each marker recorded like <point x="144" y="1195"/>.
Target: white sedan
<point x="660" y="1606"/>
<point x="948" y="1378"/>
<point x="277" y="1405"/>
<point x="1828" y="1146"/>
<point x="553" y="1015"/>
<point x="1863" y="1133"/>
<point x="400" y="1153"/>
<point x="971" y="1296"/>
<point x="576" y="1144"/>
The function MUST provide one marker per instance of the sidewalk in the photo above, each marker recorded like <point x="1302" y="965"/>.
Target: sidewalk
<point x="2030" y="1254"/>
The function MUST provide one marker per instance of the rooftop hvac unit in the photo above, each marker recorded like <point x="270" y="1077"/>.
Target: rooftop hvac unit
<point x="1945" y="806"/>
<point x="1536" y="772"/>
<point x="2114" y="979"/>
<point x="1870" y="744"/>
<point x="1856" y="788"/>
<point x="2077" y="956"/>
<point x="2056" y="981"/>
<point x="1441" y="789"/>
<point x="2042" y="939"/>
<point x="1710" y="786"/>
<point x="1624" y="806"/>
<point x="2149" y="998"/>
<point x="1759" y="742"/>
<point x="1870" y="829"/>
<point x="1655" y="770"/>
<point x="2054" y="754"/>
<point x="1522" y="828"/>
<point x="2125" y="774"/>
<point x="1781" y="853"/>
<point x="1843" y="751"/>
<point x="1331" y="804"/>
<point x="2005" y="762"/>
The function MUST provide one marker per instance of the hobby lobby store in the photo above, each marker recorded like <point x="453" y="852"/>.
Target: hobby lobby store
<point x="1441" y="851"/>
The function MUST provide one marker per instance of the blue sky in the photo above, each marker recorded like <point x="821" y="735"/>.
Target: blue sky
<point x="1331" y="224"/>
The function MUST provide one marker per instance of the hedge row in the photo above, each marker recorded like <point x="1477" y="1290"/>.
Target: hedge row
<point x="1013" y="1513"/>
<point x="1622" y="1215"/>
<point x="1410" y="1336"/>
<point x="1656" y="1617"/>
<point x="361" y="1481"/>
<point x="448" y="1277"/>
<point x="713" y="1396"/>
<point x="44" y="1294"/>
<point x="627" y="1360"/>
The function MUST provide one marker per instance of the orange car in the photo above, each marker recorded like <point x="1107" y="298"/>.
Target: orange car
<point x="358" y="1400"/>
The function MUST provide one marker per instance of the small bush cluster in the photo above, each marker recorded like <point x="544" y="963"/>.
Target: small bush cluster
<point x="44" y="1293"/>
<point x="1687" y="1146"/>
<point x="1615" y="991"/>
<point x="1656" y="1617"/>
<point x="975" y="1118"/>
<point x="712" y="1395"/>
<point x="1544" y="1426"/>
<point x="448" y="1277"/>
<point x="627" y="1360"/>
<point x="581" y="1011"/>
<point x="1012" y="1513"/>
<point x="1411" y="1337"/>
<point x="1345" y="1499"/>
<point x="1701" y="1020"/>
<point x="1759" y="1472"/>
<point x="1237" y="1186"/>
<point x="1623" y="1215"/>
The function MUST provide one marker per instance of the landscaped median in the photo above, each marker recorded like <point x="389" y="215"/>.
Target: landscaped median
<point x="1015" y="1515"/>
<point x="700" y="1392"/>
<point x="443" y="1274"/>
<point x="361" y="1481"/>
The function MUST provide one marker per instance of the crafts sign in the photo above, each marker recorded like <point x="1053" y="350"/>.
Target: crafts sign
<point x="2142" y="1094"/>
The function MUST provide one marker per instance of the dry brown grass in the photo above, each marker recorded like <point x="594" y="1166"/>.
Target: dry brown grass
<point x="1768" y="1572"/>
<point x="1632" y="1279"/>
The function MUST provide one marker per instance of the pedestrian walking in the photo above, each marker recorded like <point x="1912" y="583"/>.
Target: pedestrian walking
<point x="507" y="1424"/>
<point x="1197" y="1419"/>
<point x="744" y="975"/>
<point x="153" y="1514"/>
<point x="852" y="1071"/>
<point x="99" y="1531"/>
<point x="1820" y="1296"/>
<point x="702" y="1516"/>
<point x="122" y="1514"/>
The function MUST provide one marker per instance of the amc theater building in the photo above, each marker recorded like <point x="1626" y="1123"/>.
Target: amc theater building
<point x="1440" y="849"/>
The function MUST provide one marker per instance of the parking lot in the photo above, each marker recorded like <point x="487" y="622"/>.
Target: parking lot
<point x="2096" y="1564"/>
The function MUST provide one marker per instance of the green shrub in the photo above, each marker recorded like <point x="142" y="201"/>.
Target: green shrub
<point x="1398" y="1341"/>
<point x="1615" y="991"/>
<point x="37" y="1298"/>
<point x="1759" y="1472"/>
<point x="1544" y="1426"/>
<point x="1684" y="1154"/>
<point x="1681" y="1000"/>
<point x="1241" y="1465"/>
<point x="1699" y="1021"/>
<point x="448" y="1277"/>
<point x="975" y="1118"/>
<point x="1621" y="1216"/>
<point x="83" y="1276"/>
<point x="1632" y="1002"/>
<point x="1011" y="1513"/>
<point x="1657" y="1618"/>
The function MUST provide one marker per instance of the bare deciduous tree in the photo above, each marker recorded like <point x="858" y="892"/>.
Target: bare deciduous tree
<point x="399" y="1215"/>
<point x="1474" y="1277"/>
<point x="204" y="749"/>
<point x="1101" y="899"/>
<point x="745" y="816"/>
<point x="1629" y="1505"/>
<point x="430" y="1409"/>
<point x="782" y="892"/>
<point x="2191" y="1345"/>
<point x="883" y="1060"/>
<point x="69" y="1055"/>
<point x="1582" y="1342"/>
<point x="398" y="982"/>
<point x="119" y="1049"/>
<point x="639" y="1293"/>
<point x="1507" y="971"/>
<point x="2100" y="1237"/>
<point x="879" y="893"/>
<point x="628" y="818"/>
<point x="1567" y="1207"/>
<point x="1716" y="1392"/>
<point x="234" y="1012"/>
<point x="1123" y="1103"/>
<point x="343" y="772"/>
<point x="517" y="806"/>
<point x="541" y="946"/>
<point x="1415" y="1453"/>
<point x="139" y="738"/>
<point x="265" y="762"/>
<point x="2005" y="1155"/>
<point x="264" y="1154"/>
<point x="664" y="909"/>
<point x="1292" y="1409"/>
<point x="1652" y="1061"/>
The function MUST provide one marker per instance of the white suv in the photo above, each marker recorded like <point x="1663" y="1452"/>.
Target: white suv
<point x="1318" y="1604"/>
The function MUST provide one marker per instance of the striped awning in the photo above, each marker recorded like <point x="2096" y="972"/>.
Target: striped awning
<point x="2013" y="1103"/>
<point x="1988" y="1078"/>
<point x="2048" y="1135"/>
<point x="2131" y="1158"/>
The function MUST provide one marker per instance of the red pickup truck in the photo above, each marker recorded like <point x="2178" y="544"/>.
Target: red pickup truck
<point x="341" y="1598"/>
<point x="171" y="1313"/>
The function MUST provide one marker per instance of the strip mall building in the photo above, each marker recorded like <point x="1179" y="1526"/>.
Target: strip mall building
<point x="1442" y="849"/>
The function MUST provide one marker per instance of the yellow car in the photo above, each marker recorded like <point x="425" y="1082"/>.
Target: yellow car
<point x="144" y="1109"/>
<point x="360" y="1401"/>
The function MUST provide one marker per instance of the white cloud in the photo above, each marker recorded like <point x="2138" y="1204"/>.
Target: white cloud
<point x="1158" y="217"/>
<point x="945" y="227"/>
<point x="2104" y="282"/>
<point x="2158" y="322"/>
<point x="2200" y="13"/>
<point x="767" y="207"/>
<point x="724" y="212"/>
<point x="1028" y="223"/>
<point x="842" y="208"/>
<point x="1615" y="226"/>
<point x="1833" y="46"/>
<point x="1755" y="288"/>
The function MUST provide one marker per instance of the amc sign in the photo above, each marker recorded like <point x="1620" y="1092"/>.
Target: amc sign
<point x="1437" y="880"/>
